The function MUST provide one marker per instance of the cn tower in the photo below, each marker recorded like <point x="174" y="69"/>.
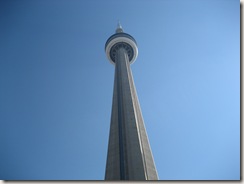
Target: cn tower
<point x="129" y="154"/>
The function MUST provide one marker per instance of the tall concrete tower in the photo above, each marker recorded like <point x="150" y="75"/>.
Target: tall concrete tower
<point x="129" y="154"/>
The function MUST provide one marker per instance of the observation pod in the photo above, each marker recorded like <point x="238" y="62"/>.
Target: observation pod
<point x="118" y="40"/>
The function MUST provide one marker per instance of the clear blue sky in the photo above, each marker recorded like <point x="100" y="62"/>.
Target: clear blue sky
<point x="56" y="86"/>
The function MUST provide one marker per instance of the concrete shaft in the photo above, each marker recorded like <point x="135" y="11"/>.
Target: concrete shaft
<point x="129" y="154"/>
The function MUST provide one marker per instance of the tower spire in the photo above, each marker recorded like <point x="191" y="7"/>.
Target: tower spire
<point x="129" y="154"/>
<point x="119" y="28"/>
